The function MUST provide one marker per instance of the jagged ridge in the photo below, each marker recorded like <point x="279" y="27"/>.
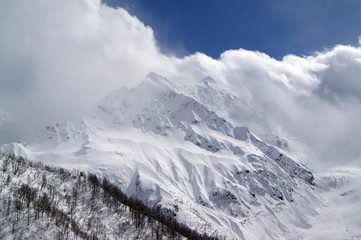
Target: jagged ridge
<point x="168" y="147"/>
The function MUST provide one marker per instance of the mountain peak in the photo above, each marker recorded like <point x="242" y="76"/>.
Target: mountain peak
<point x="156" y="79"/>
<point x="177" y="148"/>
<point x="208" y="80"/>
<point x="155" y="76"/>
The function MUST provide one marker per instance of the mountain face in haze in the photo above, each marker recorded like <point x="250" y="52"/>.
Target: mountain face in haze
<point x="188" y="151"/>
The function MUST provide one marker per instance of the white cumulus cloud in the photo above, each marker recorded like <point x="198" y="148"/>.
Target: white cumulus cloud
<point x="58" y="57"/>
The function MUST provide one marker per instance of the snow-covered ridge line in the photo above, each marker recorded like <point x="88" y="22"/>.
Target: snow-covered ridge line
<point x="181" y="149"/>
<point x="172" y="107"/>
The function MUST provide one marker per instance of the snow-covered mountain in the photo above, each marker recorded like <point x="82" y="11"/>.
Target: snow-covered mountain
<point x="190" y="151"/>
<point x="44" y="202"/>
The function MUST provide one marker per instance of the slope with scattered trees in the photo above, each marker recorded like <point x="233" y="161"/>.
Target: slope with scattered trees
<point x="43" y="202"/>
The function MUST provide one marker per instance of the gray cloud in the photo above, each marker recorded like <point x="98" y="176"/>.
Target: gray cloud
<point x="341" y="78"/>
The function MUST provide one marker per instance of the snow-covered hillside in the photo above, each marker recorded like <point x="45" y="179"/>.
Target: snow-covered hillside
<point x="43" y="202"/>
<point x="189" y="151"/>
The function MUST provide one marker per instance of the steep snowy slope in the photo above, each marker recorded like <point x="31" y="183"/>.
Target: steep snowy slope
<point x="339" y="218"/>
<point x="43" y="202"/>
<point x="186" y="149"/>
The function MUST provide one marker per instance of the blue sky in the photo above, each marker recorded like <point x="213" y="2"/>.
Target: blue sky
<point x="275" y="27"/>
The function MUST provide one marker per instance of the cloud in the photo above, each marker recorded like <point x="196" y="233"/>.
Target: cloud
<point x="340" y="80"/>
<point x="313" y="98"/>
<point x="57" y="58"/>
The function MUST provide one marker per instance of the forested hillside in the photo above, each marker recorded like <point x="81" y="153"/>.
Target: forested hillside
<point x="43" y="202"/>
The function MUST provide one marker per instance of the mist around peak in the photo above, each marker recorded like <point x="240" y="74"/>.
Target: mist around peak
<point x="50" y="76"/>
